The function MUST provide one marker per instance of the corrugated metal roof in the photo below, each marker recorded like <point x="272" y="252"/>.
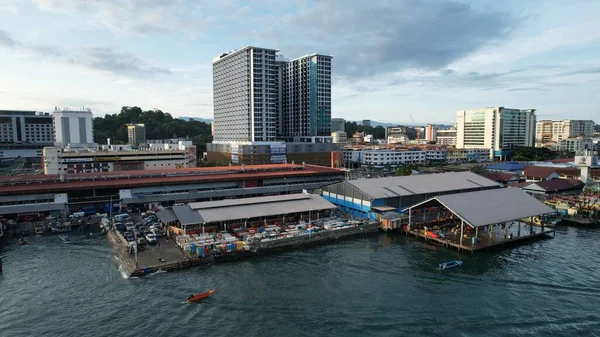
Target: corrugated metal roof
<point x="420" y="184"/>
<point x="242" y="211"/>
<point x="487" y="207"/>
<point x="244" y="208"/>
<point x="187" y="216"/>
<point x="248" y="201"/>
<point x="166" y="215"/>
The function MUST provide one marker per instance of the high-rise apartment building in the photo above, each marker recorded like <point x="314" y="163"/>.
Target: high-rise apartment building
<point x="338" y="124"/>
<point x="136" y="134"/>
<point x="500" y="129"/>
<point x="72" y="127"/>
<point x="245" y="92"/>
<point x="306" y="97"/>
<point x="548" y="130"/>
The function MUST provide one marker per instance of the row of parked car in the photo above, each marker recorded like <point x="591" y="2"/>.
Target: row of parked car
<point x="146" y="231"/>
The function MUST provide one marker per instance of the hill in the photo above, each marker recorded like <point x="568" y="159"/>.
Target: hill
<point x="197" y="119"/>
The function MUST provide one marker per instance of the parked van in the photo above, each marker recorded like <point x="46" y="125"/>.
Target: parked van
<point x="78" y="215"/>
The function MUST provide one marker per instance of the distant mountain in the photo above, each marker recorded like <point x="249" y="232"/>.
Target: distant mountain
<point x="197" y="119"/>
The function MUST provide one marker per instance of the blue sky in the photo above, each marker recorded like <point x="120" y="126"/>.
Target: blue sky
<point x="391" y="58"/>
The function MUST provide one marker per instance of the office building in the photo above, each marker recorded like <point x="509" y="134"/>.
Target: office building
<point x="446" y="137"/>
<point x="555" y="131"/>
<point x="431" y="133"/>
<point x="305" y="97"/>
<point x="23" y="134"/>
<point x="73" y="128"/>
<point x="339" y="137"/>
<point x="136" y="134"/>
<point x="338" y="124"/>
<point x="500" y="129"/>
<point x="244" y="93"/>
<point x="30" y="127"/>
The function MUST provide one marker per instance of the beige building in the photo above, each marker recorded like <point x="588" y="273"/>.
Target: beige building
<point x="556" y="131"/>
<point x="116" y="158"/>
<point x="339" y="137"/>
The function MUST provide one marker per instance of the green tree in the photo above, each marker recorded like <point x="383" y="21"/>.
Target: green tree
<point x="403" y="170"/>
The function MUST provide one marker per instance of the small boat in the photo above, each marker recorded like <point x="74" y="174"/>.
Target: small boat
<point x="65" y="238"/>
<point x="64" y="229"/>
<point x="199" y="297"/>
<point x="23" y="242"/>
<point x="450" y="264"/>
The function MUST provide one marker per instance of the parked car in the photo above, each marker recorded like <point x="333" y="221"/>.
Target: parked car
<point x="144" y="230"/>
<point x="157" y="232"/>
<point x="120" y="227"/>
<point x="130" y="226"/>
<point x="128" y="237"/>
<point x="141" y="240"/>
<point x="51" y="217"/>
<point x="150" y="237"/>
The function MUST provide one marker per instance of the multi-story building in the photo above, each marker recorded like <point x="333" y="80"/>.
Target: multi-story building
<point x="454" y="155"/>
<point x="548" y="130"/>
<point x="576" y="145"/>
<point x="73" y="128"/>
<point x="249" y="153"/>
<point x="116" y="158"/>
<point x="431" y="133"/>
<point x="381" y="157"/>
<point x="261" y="100"/>
<point x="136" y="134"/>
<point x="244" y="93"/>
<point x="338" y="124"/>
<point x="446" y="137"/>
<point x="400" y="131"/>
<point x="366" y="122"/>
<point x="500" y="129"/>
<point x="30" y="127"/>
<point x="306" y="97"/>
<point x="23" y="134"/>
<point x="339" y="137"/>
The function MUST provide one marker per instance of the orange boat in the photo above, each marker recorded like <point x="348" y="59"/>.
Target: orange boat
<point x="199" y="297"/>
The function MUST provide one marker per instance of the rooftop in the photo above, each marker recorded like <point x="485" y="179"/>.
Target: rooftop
<point x="499" y="176"/>
<point x="128" y="179"/>
<point x="509" y="166"/>
<point x="488" y="207"/>
<point x="560" y="184"/>
<point x="378" y="188"/>
<point x="246" y="208"/>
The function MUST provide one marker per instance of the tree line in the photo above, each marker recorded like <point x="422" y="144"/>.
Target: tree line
<point x="159" y="125"/>
<point x="378" y="132"/>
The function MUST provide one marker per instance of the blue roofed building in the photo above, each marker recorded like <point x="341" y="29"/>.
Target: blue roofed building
<point x="511" y="166"/>
<point x="368" y="198"/>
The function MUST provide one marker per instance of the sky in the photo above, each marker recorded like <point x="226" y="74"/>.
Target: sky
<point x="391" y="59"/>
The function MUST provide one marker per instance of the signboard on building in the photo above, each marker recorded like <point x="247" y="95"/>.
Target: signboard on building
<point x="235" y="158"/>
<point x="76" y="160"/>
<point x="278" y="153"/>
<point x="585" y="161"/>
<point x="88" y="168"/>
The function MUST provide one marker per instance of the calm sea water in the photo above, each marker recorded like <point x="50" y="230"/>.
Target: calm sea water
<point x="380" y="285"/>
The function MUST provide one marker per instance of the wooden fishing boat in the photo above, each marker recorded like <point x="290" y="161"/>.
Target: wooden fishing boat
<point x="199" y="297"/>
<point x="450" y="264"/>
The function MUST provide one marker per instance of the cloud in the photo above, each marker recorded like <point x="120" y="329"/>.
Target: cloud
<point x="587" y="71"/>
<point x="368" y="38"/>
<point x="98" y="58"/>
<point x="120" y="63"/>
<point x="6" y="40"/>
<point x="144" y="17"/>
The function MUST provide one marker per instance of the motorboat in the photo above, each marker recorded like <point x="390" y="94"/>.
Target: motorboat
<point x="199" y="297"/>
<point x="450" y="264"/>
<point x="65" y="238"/>
<point x="23" y="242"/>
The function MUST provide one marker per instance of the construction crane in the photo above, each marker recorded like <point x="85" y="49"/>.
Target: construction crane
<point x="418" y="129"/>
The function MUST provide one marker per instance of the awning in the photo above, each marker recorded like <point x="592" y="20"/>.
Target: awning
<point x="384" y="208"/>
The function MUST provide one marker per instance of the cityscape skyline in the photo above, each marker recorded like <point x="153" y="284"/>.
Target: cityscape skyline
<point x="529" y="55"/>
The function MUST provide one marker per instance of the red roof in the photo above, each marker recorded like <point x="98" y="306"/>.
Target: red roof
<point x="562" y="161"/>
<point x="129" y="179"/>
<point x="539" y="171"/>
<point x="499" y="176"/>
<point x="560" y="184"/>
<point x="519" y="185"/>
